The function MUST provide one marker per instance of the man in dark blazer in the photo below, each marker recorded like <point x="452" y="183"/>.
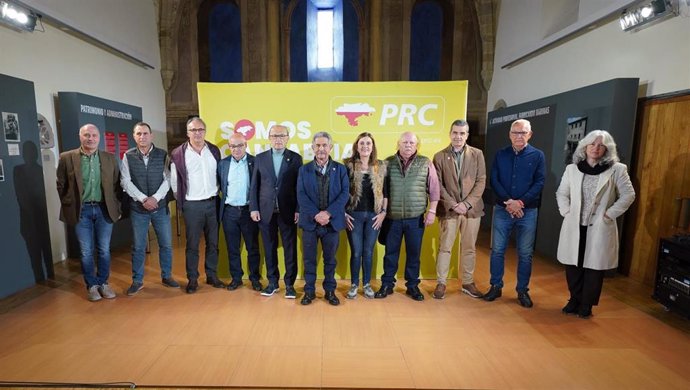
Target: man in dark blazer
<point x="234" y="176"/>
<point x="273" y="204"/>
<point x="88" y="184"/>
<point x="323" y="189"/>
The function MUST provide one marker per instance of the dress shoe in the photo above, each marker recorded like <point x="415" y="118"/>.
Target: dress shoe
<point x="525" y="300"/>
<point x="256" y="285"/>
<point x="215" y="282"/>
<point x="585" y="311"/>
<point x="493" y="293"/>
<point x="383" y="292"/>
<point x="571" y="307"/>
<point x="307" y="298"/>
<point x="331" y="298"/>
<point x="192" y="286"/>
<point x="472" y="290"/>
<point x="414" y="293"/>
<point x="234" y="285"/>
<point x="439" y="291"/>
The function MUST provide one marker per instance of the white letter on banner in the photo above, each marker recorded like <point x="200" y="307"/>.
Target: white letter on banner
<point x="303" y="129"/>
<point x="406" y="112"/>
<point x="423" y="110"/>
<point x="388" y="111"/>
<point x="261" y="131"/>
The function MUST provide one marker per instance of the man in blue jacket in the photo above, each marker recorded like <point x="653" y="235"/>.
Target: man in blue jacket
<point x="517" y="179"/>
<point x="235" y="176"/>
<point x="323" y="188"/>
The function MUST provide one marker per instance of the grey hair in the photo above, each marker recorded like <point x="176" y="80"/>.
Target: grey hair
<point x="459" y="122"/>
<point x="611" y="155"/>
<point x="195" y="118"/>
<point x="322" y="134"/>
<point x="403" y="136"/>
<point x="524" y="122"/>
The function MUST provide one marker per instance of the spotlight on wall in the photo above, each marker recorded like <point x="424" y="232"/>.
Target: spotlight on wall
<point x="17" y="17"/>
<point x="647" y="14"/>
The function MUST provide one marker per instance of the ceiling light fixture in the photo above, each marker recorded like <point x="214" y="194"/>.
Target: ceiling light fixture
<point x="648" y="14"/>
<point x="16" y="17"/>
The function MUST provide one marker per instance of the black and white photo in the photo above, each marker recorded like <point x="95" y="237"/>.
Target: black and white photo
<point x="10" y="121"/>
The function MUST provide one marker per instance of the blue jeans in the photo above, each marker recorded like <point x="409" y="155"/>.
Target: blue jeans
<point x="525" y="232"/>
<point x="140" y="228"/>
<point x="362" y="239"/>
<point x="93" y="223"/>
<point x="412" y="229"/>
<point x="329" y="244"/>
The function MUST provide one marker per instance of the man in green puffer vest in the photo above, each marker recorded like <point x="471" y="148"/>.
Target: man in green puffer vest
<point x="411" y="181"/>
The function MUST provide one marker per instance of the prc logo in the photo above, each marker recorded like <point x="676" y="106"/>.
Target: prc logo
<point x="353" y="111"/>
<point x="246" y="128"/>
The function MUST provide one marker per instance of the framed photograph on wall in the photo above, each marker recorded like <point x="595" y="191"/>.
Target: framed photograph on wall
<point x="10" y="122"/>
<point x="574" y="132"/>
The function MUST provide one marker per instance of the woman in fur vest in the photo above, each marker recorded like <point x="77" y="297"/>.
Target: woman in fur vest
<point x="595" y="190"/>
<point x="366" y="209"/>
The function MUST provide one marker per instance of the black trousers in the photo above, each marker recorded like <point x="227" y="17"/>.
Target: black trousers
<point x="288" y="235"/>
<point x="584" y="284"/>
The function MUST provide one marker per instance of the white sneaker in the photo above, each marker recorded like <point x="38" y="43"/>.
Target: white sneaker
<point x="368" y="291"/>
<point x="106" y="291"/>
<point x="93" y="293"/>
<point x="352" y="293"/>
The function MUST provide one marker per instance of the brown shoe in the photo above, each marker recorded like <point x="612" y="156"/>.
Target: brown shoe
<point x="471" y="290"/>
<point x="440" y="291"/>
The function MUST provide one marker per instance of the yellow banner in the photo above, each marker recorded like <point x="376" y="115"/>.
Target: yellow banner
<point x="385" y="109"/>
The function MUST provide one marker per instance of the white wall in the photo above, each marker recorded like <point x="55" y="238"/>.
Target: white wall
<point x="658" y="55"/>
<point x="56" y="61"/>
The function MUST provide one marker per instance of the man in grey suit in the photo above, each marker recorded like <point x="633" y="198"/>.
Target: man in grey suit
<point x="273" y="204"/>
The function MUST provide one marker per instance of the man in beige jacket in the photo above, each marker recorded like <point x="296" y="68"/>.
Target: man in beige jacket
<point x="462" y="176"/>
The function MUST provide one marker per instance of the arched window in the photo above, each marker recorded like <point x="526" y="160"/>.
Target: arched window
<point x="220" y="41"/>
<point x="431" y="47"/>
<point x="302" y="28"/>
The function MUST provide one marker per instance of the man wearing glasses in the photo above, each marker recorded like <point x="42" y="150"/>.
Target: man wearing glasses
<point x="234" y="176"/>
<point x="193" y="179"/>
<point x="273" y="204"/>
<point x="517" y="179"/>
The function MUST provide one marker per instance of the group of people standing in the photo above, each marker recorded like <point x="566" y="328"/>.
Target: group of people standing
<point x="389" y="200"/>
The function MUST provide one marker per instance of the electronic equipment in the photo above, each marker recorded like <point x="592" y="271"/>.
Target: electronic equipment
<point x="672" y="286"/>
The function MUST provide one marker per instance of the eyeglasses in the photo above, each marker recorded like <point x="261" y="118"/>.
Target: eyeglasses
<point x="519" y="133"/>
<point x="278" y="136"/>
<point x="196" y="130"/>
<point x="233" y="146"/>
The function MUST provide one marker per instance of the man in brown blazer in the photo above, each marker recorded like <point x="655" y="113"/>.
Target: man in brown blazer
<point x="462" y="176"/>
<point x="88" y="184"/>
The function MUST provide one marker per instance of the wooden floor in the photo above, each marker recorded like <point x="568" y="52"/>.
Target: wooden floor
<point x="165" y="338"/>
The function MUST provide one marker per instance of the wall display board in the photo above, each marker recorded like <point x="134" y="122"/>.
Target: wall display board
<point x="385" y="109"/>
<point x="558" y="123"/>
<point x="24" y="234"/>
<point x="114" y="120"/>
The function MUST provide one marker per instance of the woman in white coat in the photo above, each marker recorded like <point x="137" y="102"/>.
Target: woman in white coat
<point x="594" y="191"/>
